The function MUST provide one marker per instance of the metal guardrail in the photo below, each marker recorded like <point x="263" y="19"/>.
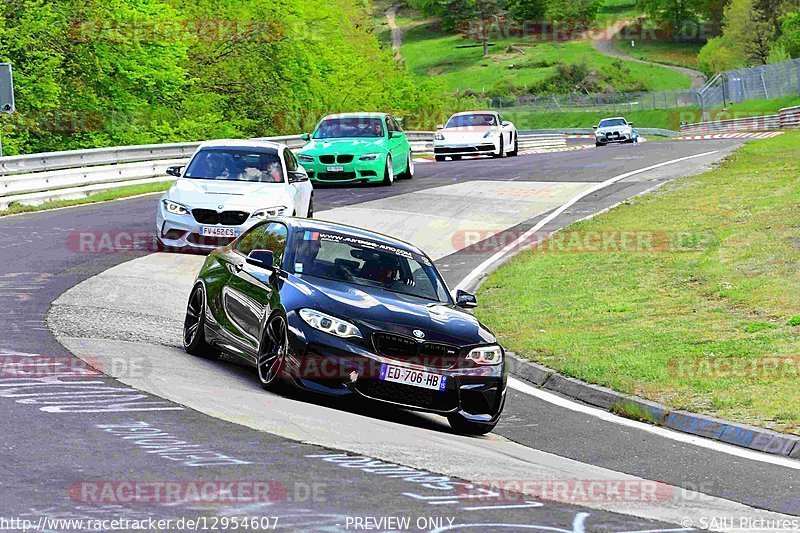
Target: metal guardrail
<point x="38" y="178"/>
<point x="788" y="117"/>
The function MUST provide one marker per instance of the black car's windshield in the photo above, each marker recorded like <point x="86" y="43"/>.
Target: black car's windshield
<point x="474" y="120"/>
<point x="367" y="263"/>
<point x="350" y="127"/>
<point x="611" y="122"/>
<point x="235" y="164"/>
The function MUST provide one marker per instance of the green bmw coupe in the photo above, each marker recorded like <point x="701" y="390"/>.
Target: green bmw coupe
<point x="357" y="148"/>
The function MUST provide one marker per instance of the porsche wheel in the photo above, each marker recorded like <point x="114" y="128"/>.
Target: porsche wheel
<point x="515" y="144"/>
<point x="500" y="151"/>
<point x="194" y="326"/>
<point x="273" y="352"/>
<point x="388" y="173"/>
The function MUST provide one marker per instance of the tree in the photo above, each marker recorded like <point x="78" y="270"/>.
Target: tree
<point x="575" y="12"/>
<point x="529" y="10"/>
<point x="674" y="13"/>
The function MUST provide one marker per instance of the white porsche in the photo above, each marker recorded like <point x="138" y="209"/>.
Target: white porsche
<point x="475" y="133"/>
<point x="227" y="187"/>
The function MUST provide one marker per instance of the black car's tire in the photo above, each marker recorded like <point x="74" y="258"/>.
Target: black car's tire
<point x="440" y="158"/>
<point x="409" y="172"/>
<point x="515" y="144"/>
<point x="466" y="427"/>
<point x="273" y="352"/>
<point x="388" y="173"/>
<point x="194" y="326"/>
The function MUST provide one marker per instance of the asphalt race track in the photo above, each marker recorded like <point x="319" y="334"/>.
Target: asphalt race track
<point x="326" y="465"/>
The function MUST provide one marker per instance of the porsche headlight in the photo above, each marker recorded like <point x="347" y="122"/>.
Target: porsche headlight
<point x="269" y="212"/>
<point x="490" y="133"/>
<point x="329" y="324"/>
<point x="369" y="157"/>
<point x="439" y="136"/>
<point x="175" y="208"/>
<point x="305" y="158"/>
<point x="486" y="355"/>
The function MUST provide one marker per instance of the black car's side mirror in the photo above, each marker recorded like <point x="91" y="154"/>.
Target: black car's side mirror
<point x="175" y="171"/>
<point x="305" y="137"/>
<point x="466" y="300"/>
<point x="297" y="177"/>
<point x="261" y="258"/>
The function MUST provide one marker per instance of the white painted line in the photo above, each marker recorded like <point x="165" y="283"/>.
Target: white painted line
<point x="685" y="438"/>
<point x="480" y="269"/>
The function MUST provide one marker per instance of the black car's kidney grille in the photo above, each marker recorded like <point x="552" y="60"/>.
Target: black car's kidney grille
<point x="327" y="159"/>
<point x="432" y="354"/>
<point x="398" y="393"/>
<point x="227" y="218"/>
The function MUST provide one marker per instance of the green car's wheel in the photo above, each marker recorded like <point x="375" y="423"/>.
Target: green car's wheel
<point x="409" y="172"/>
<point x="194" y="326"/>
<point x="273" y="351"/>
<point x="388" y="173"/>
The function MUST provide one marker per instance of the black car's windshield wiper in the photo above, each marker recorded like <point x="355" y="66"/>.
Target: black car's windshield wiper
<point x="375" y="287"/>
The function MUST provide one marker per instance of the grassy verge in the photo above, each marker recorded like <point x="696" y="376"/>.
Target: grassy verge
<point x="681" y="54"/>
<point x="104" y="196"/>
<point x="659" y="118"/>
<point x="429" y="53"/>
<point x="698" y="310"/>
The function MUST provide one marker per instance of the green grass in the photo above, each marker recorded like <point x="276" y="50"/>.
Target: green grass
<point x="104" y="196"/>
<point x="429" y="53"/>
<point x="687" y="317"/>
<point x="681" y="54"/>
<point x="613" y="10"/>
<point x="660" y="118"/>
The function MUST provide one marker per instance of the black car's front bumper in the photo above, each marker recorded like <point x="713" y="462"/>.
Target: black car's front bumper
<point x="323" y="363"/>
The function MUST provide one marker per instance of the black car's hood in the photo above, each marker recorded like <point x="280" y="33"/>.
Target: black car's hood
<point x="381" y="310"/>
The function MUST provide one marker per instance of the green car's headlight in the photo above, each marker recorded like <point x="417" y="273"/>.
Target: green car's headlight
<point x="369" y="157"/>
<point x="329" y="324"/>
<point x="486" y="355"/>
<point x="175" y="208"/>
<point x="305" y="158"/>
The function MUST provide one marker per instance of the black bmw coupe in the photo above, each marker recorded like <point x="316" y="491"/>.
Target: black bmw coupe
<point x="344" y="311"/>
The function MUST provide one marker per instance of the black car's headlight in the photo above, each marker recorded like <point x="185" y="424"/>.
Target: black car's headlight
<point x="486" y="355"/>
<point x="175" y="208"/>
<point x="305" y="158"/>
<point x="329" y="324"/>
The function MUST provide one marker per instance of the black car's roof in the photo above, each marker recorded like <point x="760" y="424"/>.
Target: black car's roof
<point x="350" y="231"/>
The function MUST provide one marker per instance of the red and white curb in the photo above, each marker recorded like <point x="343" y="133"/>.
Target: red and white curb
<point x="742" y="135"/>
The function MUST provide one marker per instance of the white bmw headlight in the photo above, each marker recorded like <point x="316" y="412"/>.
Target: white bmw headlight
<point x="486" y="355"/>
<point x="369" y="157"/>
<point x="269" y="212"/>
<point x="175" y="208"/>
<point x="329" y="324"/>
<point x="439" y="136"/>
<point x="305" y="158"/>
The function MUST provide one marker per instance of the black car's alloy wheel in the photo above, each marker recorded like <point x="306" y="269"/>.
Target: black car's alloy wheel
<point x="273" y="352"/>
<point x="194" y="326"/>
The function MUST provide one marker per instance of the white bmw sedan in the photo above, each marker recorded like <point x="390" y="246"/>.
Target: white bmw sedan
<point x="475" y="133"/>
<point x="227" y="187"/>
